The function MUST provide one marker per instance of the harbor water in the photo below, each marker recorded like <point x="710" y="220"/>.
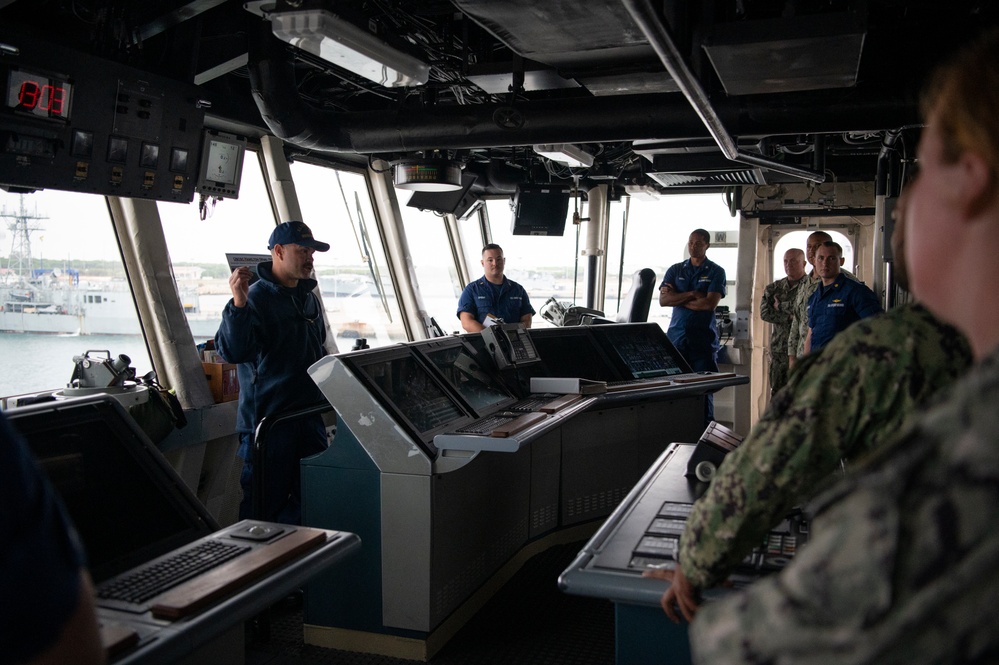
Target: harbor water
<point x="35" y="363"/>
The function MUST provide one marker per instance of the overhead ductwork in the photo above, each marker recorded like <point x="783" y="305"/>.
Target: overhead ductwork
<point x="584" y="120"/>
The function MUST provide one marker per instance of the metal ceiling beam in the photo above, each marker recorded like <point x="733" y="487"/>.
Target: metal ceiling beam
<point x="172" y="19"/>
<point x="653" y="29"/>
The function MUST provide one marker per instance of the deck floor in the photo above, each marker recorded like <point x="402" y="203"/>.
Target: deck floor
<point x="528" y="621"/>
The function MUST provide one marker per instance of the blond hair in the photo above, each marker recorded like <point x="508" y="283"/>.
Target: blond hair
<point x="962" y="99"/>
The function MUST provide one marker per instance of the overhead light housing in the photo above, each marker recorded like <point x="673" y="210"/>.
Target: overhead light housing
<point x="341" y="43"/>
<point x="642" y="192"/>
<point x="565" y="153"/>
<point x="428" y="175"/>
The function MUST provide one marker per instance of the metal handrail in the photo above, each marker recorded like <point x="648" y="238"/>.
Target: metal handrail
<point x="264" y="428"/>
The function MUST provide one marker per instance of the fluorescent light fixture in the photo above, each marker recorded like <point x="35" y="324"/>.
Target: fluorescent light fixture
<point x="428" y="175"/>
<point x="345" y="45"/>
<point x="642" y="192"/>
<point x="565" y="153"/>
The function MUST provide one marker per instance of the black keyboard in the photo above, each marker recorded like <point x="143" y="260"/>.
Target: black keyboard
<point x="529" y="404"/>
<point x="485" y="426"/>
<point x="140" y="585"/>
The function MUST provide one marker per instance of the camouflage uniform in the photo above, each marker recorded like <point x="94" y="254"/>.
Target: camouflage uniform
<point x="838" y="403"/>
<point x="783" y="291"/>
<point x="798" y="329"/>
<point x="903" y="562"/>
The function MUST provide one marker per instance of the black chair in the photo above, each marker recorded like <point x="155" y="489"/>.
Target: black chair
<point x="636" y="302"/>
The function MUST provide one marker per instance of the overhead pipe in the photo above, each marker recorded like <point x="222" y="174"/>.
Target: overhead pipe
<point x="644" y="15"/>
<point x="582" y="120"/>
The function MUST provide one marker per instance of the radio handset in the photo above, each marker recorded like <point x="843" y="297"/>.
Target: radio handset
<point x="510" y="345"/>
<point x="498" y="343"/>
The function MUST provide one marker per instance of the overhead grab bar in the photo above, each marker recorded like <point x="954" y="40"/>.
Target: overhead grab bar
<point x="653" y="29"/>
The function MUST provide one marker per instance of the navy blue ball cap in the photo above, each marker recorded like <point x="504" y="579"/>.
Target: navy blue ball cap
<point x="295" y="233"/>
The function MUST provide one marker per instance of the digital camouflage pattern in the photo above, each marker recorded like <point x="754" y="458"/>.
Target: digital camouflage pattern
<point x="798" y="329"/>
<point x="903" y="561"/>
<point x="839" y="403"/>
<point x="780" y="316"/>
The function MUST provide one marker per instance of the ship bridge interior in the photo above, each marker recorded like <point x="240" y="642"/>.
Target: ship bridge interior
<point x="795" y="114"/>
<point x="653" y="97"/>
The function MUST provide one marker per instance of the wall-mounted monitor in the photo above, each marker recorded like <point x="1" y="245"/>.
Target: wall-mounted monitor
<point x="221" y="164"/>
<point x="458" y="202"/>
<point x="540" y="210"/>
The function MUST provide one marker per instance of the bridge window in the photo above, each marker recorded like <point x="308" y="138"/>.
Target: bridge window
<point x="657" y="238"/>
<point x="544" y="265"/>
<point x="353" y="275"/>
<point x="198" y="247"/>
<point x="58" y="257"/>
<point x="428" y="243"/>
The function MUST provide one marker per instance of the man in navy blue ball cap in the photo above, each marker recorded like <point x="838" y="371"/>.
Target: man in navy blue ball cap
<point x="275" y="330"/>
<point x="295" y="233"/>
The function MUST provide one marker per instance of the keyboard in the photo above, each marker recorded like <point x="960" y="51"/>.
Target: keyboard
<point x="502" y="426"/>
<point x="535" y="403"/>
<point x="485" y="426"/>
<point x="147" y="582"/>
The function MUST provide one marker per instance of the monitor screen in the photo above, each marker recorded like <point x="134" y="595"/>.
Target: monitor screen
<point x="457" y="364"/>
<point x="643" y="349"/>
<point x="573" y="352"/>
<point x="540" y="210"/>
<point x="221" y="164"/>
<point x="409" y="390"/>
<point x="128" y="505"/>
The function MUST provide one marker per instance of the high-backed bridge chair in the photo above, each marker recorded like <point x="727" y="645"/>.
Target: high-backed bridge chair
<point x="636" y="302"/>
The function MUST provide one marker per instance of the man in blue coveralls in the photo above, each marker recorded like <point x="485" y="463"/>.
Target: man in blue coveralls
<point x="693" y="288"/>
<point x="275" y="330"/>
<point x="493" y="295"/>
<point x="838" y="301"/>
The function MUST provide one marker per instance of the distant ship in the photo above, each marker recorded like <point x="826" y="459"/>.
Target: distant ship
<point x="58" y="301"/>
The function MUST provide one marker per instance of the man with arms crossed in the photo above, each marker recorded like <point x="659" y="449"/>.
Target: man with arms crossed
<point x="693" y="289"/>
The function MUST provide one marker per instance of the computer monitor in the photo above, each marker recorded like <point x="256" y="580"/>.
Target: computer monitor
<point x="457" y="363"/>
<point x="411" y="392"/>
<point x="641" y="350"/>
<point x="573" y="352"/>
<point x="127" y="503"/>
<point x="540" y="210"/>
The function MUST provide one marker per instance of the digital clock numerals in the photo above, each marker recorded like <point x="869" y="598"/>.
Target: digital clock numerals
<point x="38" y="95"/>
<point x="47" y="97"/>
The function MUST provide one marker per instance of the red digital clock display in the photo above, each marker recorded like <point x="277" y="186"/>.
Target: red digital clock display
<point x="38" y="95"/>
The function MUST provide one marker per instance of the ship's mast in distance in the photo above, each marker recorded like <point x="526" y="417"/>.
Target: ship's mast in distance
<point x="20" y="264"/>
